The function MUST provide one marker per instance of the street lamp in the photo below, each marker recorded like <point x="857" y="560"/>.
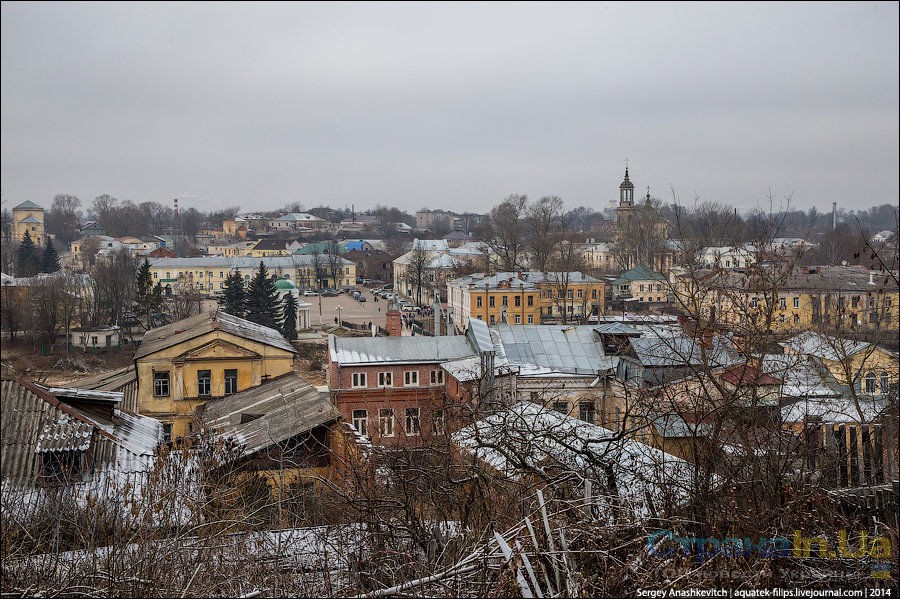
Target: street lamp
<point x="340" y="321"/>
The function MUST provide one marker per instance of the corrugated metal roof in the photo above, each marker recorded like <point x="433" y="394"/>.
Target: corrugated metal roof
<point x="368" y="350"/>
<point x="827" y="347"/>
<point x="481" y="334"/>
<point x="664" y="350"/>
<point x="65" y="434"/>
<point x="123" y="380"/>
<point x="563" y="348"/>
<point x="177" y="332"/>
<point x="283" y="408"/>
<point x="27" y="205"/>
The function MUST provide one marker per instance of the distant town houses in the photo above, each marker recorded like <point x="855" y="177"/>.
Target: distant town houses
<point x="207" y="274"/>
<point x="525" y="297"/>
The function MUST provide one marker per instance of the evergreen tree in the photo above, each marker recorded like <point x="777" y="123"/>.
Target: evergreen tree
<point x="27" y="259"/>
<point x="289" y="323"/>
<point x="262" y="299"/>
<point x="235" y="295"/>
<point x="143" y="287"/>
<point x="51" y="258"/>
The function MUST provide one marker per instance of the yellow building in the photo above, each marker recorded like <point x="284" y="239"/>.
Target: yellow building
<point x="270" y="247"/>
<point x="524" y="297"/>
<point x="183" y="365"/>
<point x="831" y="297"/>
<point x="868" y="368"/>
<point x="29" y="217"/>
<point x="207" y="274"/>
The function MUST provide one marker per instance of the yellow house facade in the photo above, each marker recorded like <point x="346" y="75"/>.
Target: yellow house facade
<point x="183" y="365"/>
<point x="831" y="297"/>
<point x="28" y="217"/>
<point x="207" y="274"/>
<point x="524" y="298"/>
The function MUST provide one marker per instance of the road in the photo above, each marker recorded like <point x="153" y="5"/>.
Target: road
<point x="351" y="310"/>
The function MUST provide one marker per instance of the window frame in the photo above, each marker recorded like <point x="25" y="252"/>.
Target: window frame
<point x="227" y="378"/>
<point x="362" y="416"/>
<point x="386" y="417"/>
<point x="168" y="383"/>
<point x="359" y="380"/>
<point x="385" y="379"/>
<point x="408" y="376"/>
<point x="413" y="421"/>
<point x="201" y="379"/>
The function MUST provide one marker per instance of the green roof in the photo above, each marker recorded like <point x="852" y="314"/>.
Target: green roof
<point x="321" y="247"/>
<point x="638" y="273"/>
<point x="284" y="284"/>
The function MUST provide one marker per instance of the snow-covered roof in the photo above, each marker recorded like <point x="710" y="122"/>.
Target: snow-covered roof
<point x="431" y="245"/>
<point x="298" y="217"/>
<point x="528" y="438"/>
<point x="561" y="348"/>
<point x="407" y="350"/>
<point x="464" y="369"/>
<point x="442" y="261"/>
<point x="834" y="409"/>
<point x="826" y="347"/>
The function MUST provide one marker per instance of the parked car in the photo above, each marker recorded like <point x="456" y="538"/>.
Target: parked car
<point x="310" y="293"/>
<point x="330" y="293"/>
<point x="360" y="298"/>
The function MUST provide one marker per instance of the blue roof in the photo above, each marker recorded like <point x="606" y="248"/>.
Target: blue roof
<point x="352" y="246"/>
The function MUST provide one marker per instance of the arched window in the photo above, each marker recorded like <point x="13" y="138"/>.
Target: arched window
<point x="870" y="382"/>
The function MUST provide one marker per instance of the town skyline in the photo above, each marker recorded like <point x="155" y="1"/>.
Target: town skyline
<point x="324" y="105"/>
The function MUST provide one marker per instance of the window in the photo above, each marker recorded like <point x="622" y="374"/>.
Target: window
<point x="167" y="432"/>
<point x="412" y="421"/>
<point x="530" y="300"/>
<point x="559" y="294"/>
<point x="593" y="294"/>
<point x="781" y="318"/>
<point x="885" y="383"/>
<point x="204" y="382"/>
<point x="642" y="288"/>
<point x="580" y="294"/>
<point x="361" y="421"/>
<point x="161" y="384"/>
<point x="358" y="379"/>
<point x="437" y="377"/>
<point x="796" y="302"/>
<point x="504" y="301"/>
<point x="586" y="411"/>
<point x="221" y="274"/>
<point x="517" y="301"/>
<point x="491" y="301"/>
<point x="561" y="406"/>
<point x="94" y="339"/>
<point x="518" y="319"/>
<point x="385" y="379"/>
<point x="782" y="303"/>
<point x="478" y="302"/>
<point x="870" y="382"/>
<point x="754" y="302"/>
<point x="796" y="319"/>
<point x="231" y="381"/>
<point x="531" y="319"/>
<point x="386" y="422"/>
<point x="58" y="466"/>
<point x="854" y="301"/>
<point x="438" y="423"/>
<point x="533" y="396"/>
<point x="492" y="319"/>
<point x="411" y="378"/>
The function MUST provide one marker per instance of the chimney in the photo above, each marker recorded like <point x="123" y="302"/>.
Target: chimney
<point x="393" y="322"/>
<point x="833" y="216"/>
<point x="871" y="278"/>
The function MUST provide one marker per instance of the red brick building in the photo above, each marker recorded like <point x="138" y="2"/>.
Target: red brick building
<point x="394" y="389"/>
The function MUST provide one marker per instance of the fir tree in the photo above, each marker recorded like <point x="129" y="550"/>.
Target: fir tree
<point x="289" y="323"/>
<point x="235" y="295"/>
<point x="143" y="290"/>
<point x="27" y="259"/>
<point x="51" y="258"/>
<point x="262" y="299"/>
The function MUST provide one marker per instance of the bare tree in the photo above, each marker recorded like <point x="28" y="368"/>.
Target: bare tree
<point x="506" y="233"/>
<point x="543" y="226"/>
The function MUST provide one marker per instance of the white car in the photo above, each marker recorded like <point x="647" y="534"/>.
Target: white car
<point x="309" y="293"/>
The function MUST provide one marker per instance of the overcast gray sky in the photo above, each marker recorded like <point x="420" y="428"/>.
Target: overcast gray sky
<point x="449" y="106"/>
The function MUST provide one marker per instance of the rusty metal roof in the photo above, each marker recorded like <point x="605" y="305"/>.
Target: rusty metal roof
<point x="282" y="408"/>
<point x="172" y="334"/>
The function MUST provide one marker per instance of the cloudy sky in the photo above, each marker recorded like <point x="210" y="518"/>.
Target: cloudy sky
<point x="448" y="105"/>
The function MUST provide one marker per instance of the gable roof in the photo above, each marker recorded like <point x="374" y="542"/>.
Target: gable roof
<point x="638" y="273"/>
<point x="270" y="244"/>
<point x="172" y="334"/>
<point x="528" y="437"/>
<point x="829" y="348"/>
<point x="27" y="205"/>
<point x="30" y="219"/>
<point x="282" y="408"/>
